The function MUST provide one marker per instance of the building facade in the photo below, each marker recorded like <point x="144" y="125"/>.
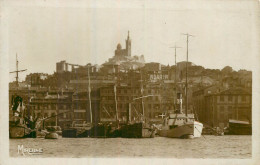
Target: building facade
<point x="86" y="109"/>
<point x="55" y="108"/>
<point x="35" y="79"/>
<point x="152" y="100"/>
<point x="199" y="102"/>
<point x="233" y="103"/>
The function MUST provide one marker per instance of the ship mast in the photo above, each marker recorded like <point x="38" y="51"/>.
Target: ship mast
<point x="116" y="82"/>
<point x="142" y="93"/>
<point x="175" y="47"/>
<point x="186" y="83"/>
<point x="89" y="95"/>
<point x="17" y="71"/>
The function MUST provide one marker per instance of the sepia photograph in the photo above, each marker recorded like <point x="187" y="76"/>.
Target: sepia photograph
<point x="136" y="80"/>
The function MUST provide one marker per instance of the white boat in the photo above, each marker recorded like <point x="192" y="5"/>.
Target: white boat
<point x="178" y="125"/>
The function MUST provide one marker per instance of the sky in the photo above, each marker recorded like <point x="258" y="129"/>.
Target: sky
<point x="88" y="32"/>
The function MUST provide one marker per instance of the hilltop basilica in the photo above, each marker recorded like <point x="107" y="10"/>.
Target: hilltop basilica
<point x="124" y="59"/>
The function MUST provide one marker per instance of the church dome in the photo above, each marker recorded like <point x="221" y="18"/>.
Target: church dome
<point x="119" y="47"/>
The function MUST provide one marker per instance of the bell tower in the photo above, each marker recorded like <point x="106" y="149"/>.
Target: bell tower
<point x="128" y="45"/>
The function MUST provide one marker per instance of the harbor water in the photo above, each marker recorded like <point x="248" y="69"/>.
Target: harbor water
<point x="204" y="147"/>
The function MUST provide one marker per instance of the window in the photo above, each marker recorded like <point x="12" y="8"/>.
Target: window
<point x="53" y="106"/>
<point x="123" y="114"/>
<point x="221" y="109"/>
<point x="221" y="98"/>
<point x="60" y="106"/>
<point x="230" y="98"/>
<point x="243" y="98"/>
<point x="80" y="106"/>
<point x="80" y="115"/>
<point x="156" y="106"/>
<point x="230" y="112"/>
<point x="38" y="114"/>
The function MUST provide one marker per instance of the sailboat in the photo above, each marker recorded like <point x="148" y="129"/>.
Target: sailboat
<point x="177" y="124"/>
<point x="19" y="125"/>
<point x="92" y="129"/>
<point x="137" y="129"/>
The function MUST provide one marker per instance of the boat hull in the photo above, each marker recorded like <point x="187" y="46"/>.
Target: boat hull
<point x="189" y="130"/>
<point x="96" y="131"/>
<point x="52" y="135"/>
<point x="137" y="130"/>
<point x="21" y="132"/>
<point x="239" y="128"/>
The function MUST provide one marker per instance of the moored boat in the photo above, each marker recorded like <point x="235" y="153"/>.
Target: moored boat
<point x="77" y="130"/>
<point x="237" y="127"/>
<point x="52" y="135"/>
<point x="179" y="126"/>
<point x="137" y="130"/>
<point x="100" y="130"/>
<point x="20" y="126"/>
<point x="20" y="130"/>
<point x="53" y="132"/>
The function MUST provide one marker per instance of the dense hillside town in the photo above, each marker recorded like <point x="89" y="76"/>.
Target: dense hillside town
<point x="215" y="95"/>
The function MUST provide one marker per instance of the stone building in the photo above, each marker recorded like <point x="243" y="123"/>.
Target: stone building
<point x="82" y="109"/>
<point x="154" y="100"/>
<point x="61" y="67"/>
<point x="52" y="104"/>
<point x="198" y="100"/>
<point x="119" y="52"/>
<point x="35" y="79"/>
<point x="234" y="103"/>
<point x="156" y="72"/>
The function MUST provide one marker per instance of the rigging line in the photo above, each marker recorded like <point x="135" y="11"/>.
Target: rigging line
<point x="200" y="133"/>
